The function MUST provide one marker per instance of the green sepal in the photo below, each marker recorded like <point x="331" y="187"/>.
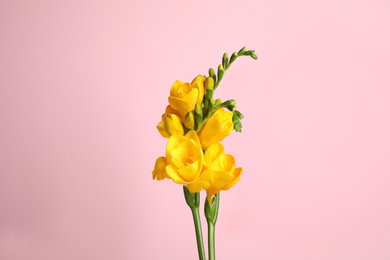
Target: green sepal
<point x="211" y="210"/>
<point x="192" y="199"/>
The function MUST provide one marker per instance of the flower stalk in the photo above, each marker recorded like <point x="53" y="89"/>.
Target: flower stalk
<point x="193" y="201"/>
<point x="211" y="213"/>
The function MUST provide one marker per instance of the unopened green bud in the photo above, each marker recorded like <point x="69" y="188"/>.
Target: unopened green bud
<point x="210" y="93"/>
<point x="220" y="72"/>
<point x="212" y="101"/>
<point x="231" y="108"/>
<point x="209" y="83"/>
<point x="254" y="56"/>
<point x="239" y="115"/>
<point x="218" y="102"/>
<point x="189" y="120"/>
<point x="198" y="109"/>
<point x="249" y="52"/>
<point x="230" y="102"/>
<point x="212" y="74"/>
<point x="237" y="126"/>
<point x="235" y="118"/>
<point x="240" y="52"/>
<point x="225" y="60"/>
<point x="198" y="115"/>
<point x="233" y="57"/>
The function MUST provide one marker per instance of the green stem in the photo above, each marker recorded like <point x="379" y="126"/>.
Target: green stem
<point x="199" y="236"/>
<point x="193" y="201"/>
<point x="211" y="213"/>
<point x="211" y="230"/>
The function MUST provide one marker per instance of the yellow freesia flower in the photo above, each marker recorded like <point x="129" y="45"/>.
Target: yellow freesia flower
<point x="184" y="96"/>
<point x="219" y="126"/>
<point x="184" y="161"/>
<point x="220" y="169"/>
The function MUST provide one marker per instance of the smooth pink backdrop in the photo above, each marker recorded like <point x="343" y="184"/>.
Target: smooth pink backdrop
<point x="84" y="83"/>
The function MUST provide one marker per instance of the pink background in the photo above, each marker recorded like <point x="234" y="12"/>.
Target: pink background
<point x="84" y="83"/>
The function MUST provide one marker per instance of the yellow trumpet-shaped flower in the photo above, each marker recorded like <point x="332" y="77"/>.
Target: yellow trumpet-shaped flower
<point x="173" y="125"/>
<point x="184" y="158"/>
<point x="184" y="96"/>
<point x="220" y="169"/>
<point x="218" y="127"/>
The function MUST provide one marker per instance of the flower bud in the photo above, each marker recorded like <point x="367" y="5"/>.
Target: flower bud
<point x="198" y="114"/>
<point x="218" y="102"/>
<point x="225" y="60"/>
<point x="189" y="120"/>
<point x="233" y="57"/>
<point x="209" y="93"/>
<point x="240" y="52"/>
<point x="230" y="102"/>
<point x="209" y="83"/>
<point x="220" y="72"/>
<point x="212" y="74"/>
<point x="173" y="125"/>
<point x="239" y="115"/>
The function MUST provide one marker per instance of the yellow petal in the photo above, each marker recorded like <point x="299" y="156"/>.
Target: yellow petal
<point x="236" y="178"/>
<point x="159" y="172"/>
<point x="199" y="83"/>
<point x="204" y="182"/>
<point x="218" y="127"/>
<point x="173" y="174"/>
<point x="161" y="129"/>
<point x="173" y="125"/>
<point x="190" y="172"/>
<point x="175" y="88"/>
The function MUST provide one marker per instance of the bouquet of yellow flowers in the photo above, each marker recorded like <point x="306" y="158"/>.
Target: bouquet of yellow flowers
<point x="195" y="124"/>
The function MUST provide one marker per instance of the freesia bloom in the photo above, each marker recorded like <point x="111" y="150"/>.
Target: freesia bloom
<point x="183" y="162"/>
<point x="218" y="127"/>
<point x="184" y="96"/>
<point x="220" y="169"/>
